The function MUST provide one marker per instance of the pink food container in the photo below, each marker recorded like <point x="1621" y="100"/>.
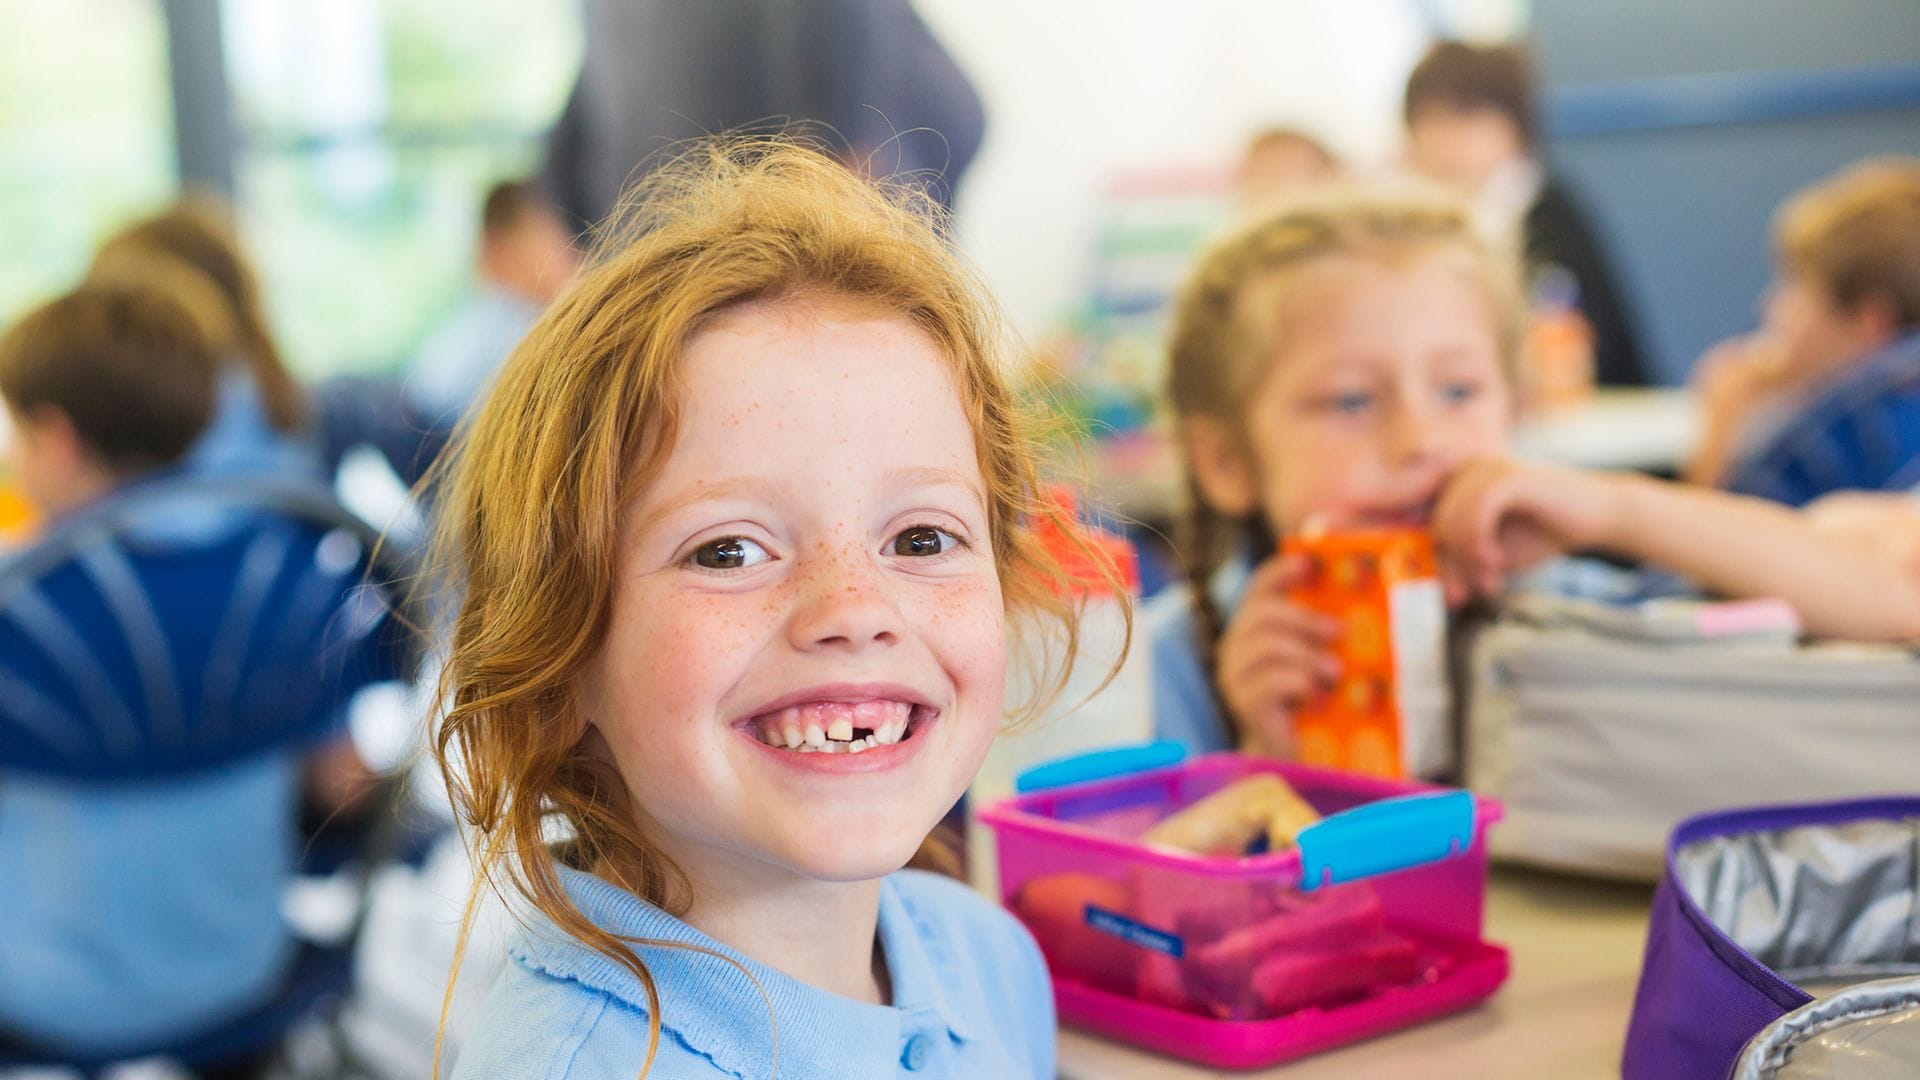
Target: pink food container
<point x="1372" y="923"/>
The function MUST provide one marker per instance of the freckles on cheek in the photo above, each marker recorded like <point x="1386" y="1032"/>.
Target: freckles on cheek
<point x="670" y="641"/>
<point x="971" y="619"/>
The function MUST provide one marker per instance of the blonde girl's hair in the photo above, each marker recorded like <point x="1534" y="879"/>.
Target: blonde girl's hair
<point x="581" y="418"/>
<point x="1231" y="320"/>
<point x="198" y="230"/>
<point x="152" y="268"/>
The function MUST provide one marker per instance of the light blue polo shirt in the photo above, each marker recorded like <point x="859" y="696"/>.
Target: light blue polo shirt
<point x="455" y="365"/>
<point x="134" y="912"/>
<point x="970" y="1000"/>
<point x="240" y="440"/>
<point x="1184" y="707"/>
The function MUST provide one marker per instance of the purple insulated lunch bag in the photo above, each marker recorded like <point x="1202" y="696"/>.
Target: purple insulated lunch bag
<point x="1782" y="910"/>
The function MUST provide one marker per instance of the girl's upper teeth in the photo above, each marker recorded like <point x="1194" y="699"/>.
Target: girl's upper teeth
<point x="832" y="726"/>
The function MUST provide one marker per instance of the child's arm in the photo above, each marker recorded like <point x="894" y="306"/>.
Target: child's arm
<point x="336" y="780"/>
<point x="1732" y="381"/>
<point x="1886" y="524"/>
<point x="1498" y="516"/>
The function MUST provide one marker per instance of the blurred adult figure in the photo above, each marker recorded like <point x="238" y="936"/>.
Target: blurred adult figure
<point x="868" y="75"/>
<point x="1471" y="125"/>
<point x="524" y="257"/>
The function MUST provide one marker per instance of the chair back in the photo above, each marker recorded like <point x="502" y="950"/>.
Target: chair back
<point x="191" y="622"/>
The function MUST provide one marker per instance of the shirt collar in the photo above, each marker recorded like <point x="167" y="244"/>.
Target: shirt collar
<point x="1501" y="205"/>
<point x="500" y="297"/>
<point x="1228" y="585"/>
<point x="715" y="1008"/>
<point x="919" y="959"/>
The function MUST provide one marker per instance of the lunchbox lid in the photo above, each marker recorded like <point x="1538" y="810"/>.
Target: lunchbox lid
<point x="1400" y="823"/>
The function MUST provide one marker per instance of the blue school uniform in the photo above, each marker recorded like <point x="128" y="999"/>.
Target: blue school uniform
<point x="137" y="909"/>
<point x="1184" y="706"/>
<point x="240" y="438"/>
<point x="99" y="953"/>
<point x="970" y="999"/>
<point x="1860" y="432"/>
<point x="457" y="363"/>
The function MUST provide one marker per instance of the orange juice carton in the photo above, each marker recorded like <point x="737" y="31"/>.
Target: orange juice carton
<point x="1388" y="715"/>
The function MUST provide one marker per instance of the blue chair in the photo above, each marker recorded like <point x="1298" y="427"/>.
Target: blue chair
<point x="182" y="629"/>
<point x="362" y="410"/>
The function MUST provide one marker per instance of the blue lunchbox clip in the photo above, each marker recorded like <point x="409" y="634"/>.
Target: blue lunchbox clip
<point x="1100" y="765"/>
<point x="1391" y="834"/>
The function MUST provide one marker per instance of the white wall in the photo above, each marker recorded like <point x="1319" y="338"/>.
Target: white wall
<point x="1076" y="90"/>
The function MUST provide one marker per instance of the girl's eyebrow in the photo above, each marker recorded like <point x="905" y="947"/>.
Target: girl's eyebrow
<point x="765" y="489"/>
<point x="745" y="488"/>
<point x="931" y="476"/>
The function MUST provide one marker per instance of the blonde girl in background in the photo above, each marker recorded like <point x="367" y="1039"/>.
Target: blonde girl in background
<point x="1348" y="363"/>
<point x="738" y="532"/>
<point x="260" y="424"/>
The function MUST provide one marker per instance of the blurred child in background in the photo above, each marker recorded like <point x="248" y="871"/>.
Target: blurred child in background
<point x="1280" y="163"/>
<point x="524" y="257"/>
<point x="1348" y="364"/>
<point x="106" y="384"/>
<point x="264" y="422"/>
<point x="1471" y="125"/>
<point x="1826" y="395"/>
<point x="262" y="417"/>
<point x="105" y="387"/>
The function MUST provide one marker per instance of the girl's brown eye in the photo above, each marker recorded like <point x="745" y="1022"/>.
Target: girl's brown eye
<point x="922" y="540"/>
<point x="728" y="553"/>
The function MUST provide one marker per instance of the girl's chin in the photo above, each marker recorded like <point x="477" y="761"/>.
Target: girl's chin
<point x="875" y="857"/>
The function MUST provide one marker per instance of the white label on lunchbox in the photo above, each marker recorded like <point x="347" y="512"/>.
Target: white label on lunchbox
<point x="1137" y="933"/>
<point x="1418" y="616"/>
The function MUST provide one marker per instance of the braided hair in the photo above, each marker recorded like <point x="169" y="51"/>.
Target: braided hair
<point x="1230" y="320"/>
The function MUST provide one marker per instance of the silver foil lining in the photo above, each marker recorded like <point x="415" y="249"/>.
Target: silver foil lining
<point x="1819" y="904"/>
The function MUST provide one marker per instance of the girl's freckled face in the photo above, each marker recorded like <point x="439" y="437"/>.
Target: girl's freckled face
<point x="836" y="536"/>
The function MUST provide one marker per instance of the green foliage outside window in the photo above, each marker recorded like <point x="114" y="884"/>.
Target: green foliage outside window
<point x="86" y="135"/>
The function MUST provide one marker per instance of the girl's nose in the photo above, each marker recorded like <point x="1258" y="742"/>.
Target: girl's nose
<point x="1415" y="434"/>
<point x="846" y="605"/>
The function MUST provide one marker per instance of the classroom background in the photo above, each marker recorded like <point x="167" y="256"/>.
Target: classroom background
<point x="370" y="152"/>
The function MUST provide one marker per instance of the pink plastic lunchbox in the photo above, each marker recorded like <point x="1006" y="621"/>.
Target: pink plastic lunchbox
<point x="1372" y="923"/>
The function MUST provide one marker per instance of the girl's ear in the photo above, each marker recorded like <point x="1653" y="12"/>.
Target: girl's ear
<point x="1221" y="467"/>
<point x="49" y="427"/>
<point x="1873" y="320"/>
<point x="594" y="743"/>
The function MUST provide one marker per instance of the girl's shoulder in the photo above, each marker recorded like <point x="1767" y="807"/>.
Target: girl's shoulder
<point x="561" y="1010"/>
<point x="970" y="988"/>
<point x="535" y="1026"/>
<point x="1184" y="708"/>
<point x="1168" y="618"/>
<point x="1171" y="619"/>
